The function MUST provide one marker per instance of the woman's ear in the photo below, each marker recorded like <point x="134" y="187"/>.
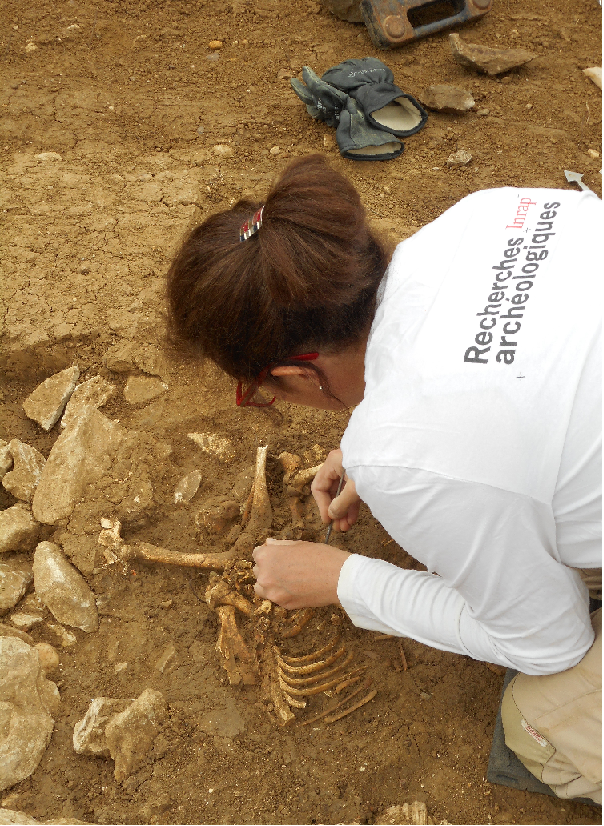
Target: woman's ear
<point x="296" y="370"/>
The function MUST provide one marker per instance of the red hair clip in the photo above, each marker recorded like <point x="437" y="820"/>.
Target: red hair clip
<point x="251" y="227"/>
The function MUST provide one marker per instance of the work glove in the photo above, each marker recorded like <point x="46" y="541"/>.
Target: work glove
<point x="371" y="83"/>
<point x="356" y="138"/>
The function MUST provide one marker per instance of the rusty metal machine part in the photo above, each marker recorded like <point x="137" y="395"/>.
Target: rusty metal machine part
<point x="392" y="23"/>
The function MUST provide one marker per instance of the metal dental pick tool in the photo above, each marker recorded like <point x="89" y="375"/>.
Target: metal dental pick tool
<point x="330" y="528"/>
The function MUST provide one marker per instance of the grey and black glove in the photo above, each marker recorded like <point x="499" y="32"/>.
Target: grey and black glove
<point x="357" y="139"/>
<point x="371" y="83"/>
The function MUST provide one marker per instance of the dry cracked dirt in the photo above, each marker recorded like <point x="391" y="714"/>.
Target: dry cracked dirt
<point x="121" y="126"/>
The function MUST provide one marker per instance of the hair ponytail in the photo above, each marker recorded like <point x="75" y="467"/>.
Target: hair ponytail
<point x="305" y="280"/>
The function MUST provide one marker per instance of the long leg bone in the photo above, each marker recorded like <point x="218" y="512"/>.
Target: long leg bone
<point x="110" y="539"/>
<point x="261" y="514"/>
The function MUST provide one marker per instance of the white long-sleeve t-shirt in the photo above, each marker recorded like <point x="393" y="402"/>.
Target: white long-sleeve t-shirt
<point x="477" y="443"/>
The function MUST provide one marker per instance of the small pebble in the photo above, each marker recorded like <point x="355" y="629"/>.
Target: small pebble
<point x="49" y="659"/>
<point x="275" y="150"/>
<point x="593" y="153"/>
<point x="215" y="44"/>
<point x="460" y="158"/>
<point x="223" y="150"/>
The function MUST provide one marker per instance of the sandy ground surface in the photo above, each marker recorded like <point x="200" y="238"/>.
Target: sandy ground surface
<point x="120" y="127"/>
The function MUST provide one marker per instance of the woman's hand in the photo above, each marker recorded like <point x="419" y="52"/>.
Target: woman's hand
<point x="298" y="574"/>
<point x="342" y="510"/>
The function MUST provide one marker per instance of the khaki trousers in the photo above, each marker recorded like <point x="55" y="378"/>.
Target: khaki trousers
<point x="553" y="724"/>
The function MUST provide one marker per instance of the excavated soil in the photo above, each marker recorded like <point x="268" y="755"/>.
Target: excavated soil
<point x="120" y="127"/>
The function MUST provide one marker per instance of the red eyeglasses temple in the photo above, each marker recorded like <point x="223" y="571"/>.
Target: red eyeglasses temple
<point x="242" y="398"/>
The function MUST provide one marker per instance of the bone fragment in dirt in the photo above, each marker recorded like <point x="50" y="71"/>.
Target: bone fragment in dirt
<point x="328" y="711"/>
<point x="333" y="717"/>
<point x="403" y="658"/>
<point x="299" y="623"/>
<point x="303" y="477"/>
<point x="280" y="704"/>
<point x="261" y="514"/>
<point x="272" y="690"/>
<point x="220" y="593"/>
<point x="290" y="463"/>
<point x="346" y="684"/>
<point x="416" y="814"/>
<point x="239" y="663"/>
<point x="110" y="538"/>
<point x="297" y="511"/>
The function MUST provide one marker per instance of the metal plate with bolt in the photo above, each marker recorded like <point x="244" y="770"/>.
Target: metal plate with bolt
<point x="393" y="23"/>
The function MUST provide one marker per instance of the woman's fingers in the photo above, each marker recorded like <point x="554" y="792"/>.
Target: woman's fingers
<point x="344" y="509"/>
<point x="298" y="574"/>
<point x="325" y="483"/>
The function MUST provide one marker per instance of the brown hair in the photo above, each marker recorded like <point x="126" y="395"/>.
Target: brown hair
<point x="306" y="281"/>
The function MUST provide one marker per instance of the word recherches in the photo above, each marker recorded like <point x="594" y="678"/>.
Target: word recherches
<point x="518" y="296"/>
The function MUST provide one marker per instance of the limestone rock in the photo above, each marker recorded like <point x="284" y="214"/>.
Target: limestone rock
<point x="48" y="400"/>
<point x="460" y="158"/>
<point x="48" y="656"/>
<point x="443" y="97"/>
<point x="81" y="455"/>
<point x="10" y="816"/>
<point x="6" y="459"/>
<point x="594" y="73"/>
<point x="15" y="576"/>
<point x="65" y="637"/>
<point x="414" y="813"/>
<point x="27" y="702"/>
<point x="90" y="395"/>
<point x="122" y="729"/>
<point x="187" y="487"/>
<point x="214" y="445"/>
<point x="63" y="589"/>
<point x="488" y="60"/>
<point x="7" y="631"/>
<point x="25" y="620"/>
<point x="28" y="464"/>
<point x="349" y="10"/>
<point x="130" y="734"/>
<point x="19" y="531"/>
<point x="89" y="733"/>
<point x="143" y="389"/>
<point x="127" y="356"/>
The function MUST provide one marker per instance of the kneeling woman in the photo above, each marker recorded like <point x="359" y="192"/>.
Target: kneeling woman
<point x="472" y="361"/>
